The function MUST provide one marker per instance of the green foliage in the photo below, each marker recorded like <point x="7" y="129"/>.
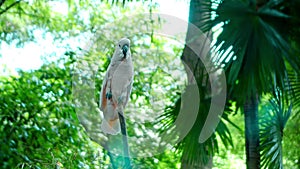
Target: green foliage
<point x="294" y="84"/>
<point x="260" y="47"/>
<point x="63" y="19"/>
<point x="195" y="153"/>
<point x="122" y="1"/>
<point x="291" y="155"/>
<point x="257" y="52"/>
<point x="273" y="122"/>
<point x="38" y="121"/>
<point x="236" y="152"/>
<point x="19" y="23"/>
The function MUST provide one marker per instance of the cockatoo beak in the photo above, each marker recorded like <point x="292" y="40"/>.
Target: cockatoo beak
<point x="125" y="49"/>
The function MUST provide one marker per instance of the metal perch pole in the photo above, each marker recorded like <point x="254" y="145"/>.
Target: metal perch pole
<point x="125" y="141"/>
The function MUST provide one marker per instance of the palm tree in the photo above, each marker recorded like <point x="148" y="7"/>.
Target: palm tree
<point x="194" y="153"/>
<point x="259" y="48"/>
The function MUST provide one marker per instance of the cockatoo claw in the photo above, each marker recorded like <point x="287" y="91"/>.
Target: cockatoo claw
<point x="108" y="95"/>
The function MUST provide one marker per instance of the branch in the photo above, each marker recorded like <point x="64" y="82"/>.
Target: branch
<point x="2" y="2"/>
<point x="7" y="8"/>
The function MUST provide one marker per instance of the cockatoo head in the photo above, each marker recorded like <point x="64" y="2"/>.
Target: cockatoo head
<point x="123" y="48"/>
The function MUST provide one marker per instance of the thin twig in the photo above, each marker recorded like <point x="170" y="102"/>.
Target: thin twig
<point x="2" y="2"/>
<point x="7" y="8"/>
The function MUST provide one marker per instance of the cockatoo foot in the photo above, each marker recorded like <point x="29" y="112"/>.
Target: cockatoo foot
<point x="108" y="95"/>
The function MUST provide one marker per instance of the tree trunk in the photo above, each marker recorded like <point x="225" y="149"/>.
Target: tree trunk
<point x="252" y="133"/>
<point x="194" y="66"/>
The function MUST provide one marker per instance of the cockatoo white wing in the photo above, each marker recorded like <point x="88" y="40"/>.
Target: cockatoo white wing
<point x="129" y="88"/>
<point x="102" y="102"/>
<point x="110" y="123"/>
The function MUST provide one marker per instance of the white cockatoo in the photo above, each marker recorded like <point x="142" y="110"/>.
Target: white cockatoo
<point x="116" y="87"/>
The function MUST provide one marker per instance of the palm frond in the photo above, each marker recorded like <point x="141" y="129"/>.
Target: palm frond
<point x="195" y="153"/>
<point x="294" y="83"/>
<point x="276" y="114"/>
<point x="256" y="44"/>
